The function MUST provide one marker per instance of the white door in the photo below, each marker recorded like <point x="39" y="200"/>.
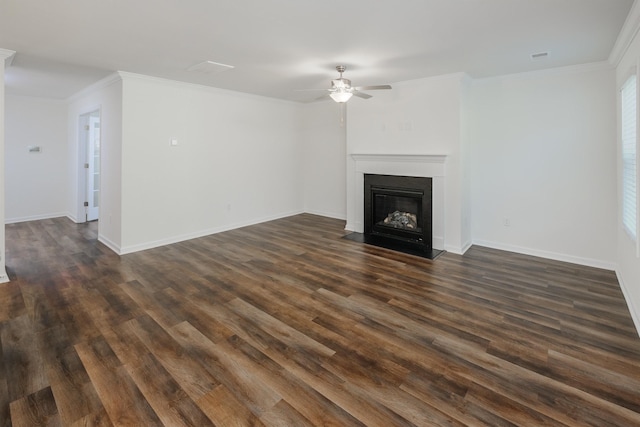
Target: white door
<point x="92" y="166"/>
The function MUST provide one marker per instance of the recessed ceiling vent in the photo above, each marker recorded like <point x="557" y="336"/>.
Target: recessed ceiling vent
<point x="538" y="56"/>
<point x="210" y="67"/>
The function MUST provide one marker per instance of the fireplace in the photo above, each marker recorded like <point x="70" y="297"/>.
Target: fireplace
<point x="398" y="210"/>
<point x="431" y="166"/>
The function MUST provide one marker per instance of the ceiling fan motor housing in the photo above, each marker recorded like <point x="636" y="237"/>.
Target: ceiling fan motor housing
<point x="341" y="83"/>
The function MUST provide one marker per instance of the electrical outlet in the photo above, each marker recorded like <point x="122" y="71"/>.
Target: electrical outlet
<point x="506" y="222"/>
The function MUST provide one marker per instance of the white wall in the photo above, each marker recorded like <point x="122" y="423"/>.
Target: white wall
<point x="106" y="96"/>
<point x="628" y="259"/>
<point x="466" y="236"/>
<point x="4" y="56"/>
<point x="36" y="183"/>
<point x="237" y="161"/>
<point x="323" y="132"/>
<point x="543" y="157"/>
<point x="415" y="117"/>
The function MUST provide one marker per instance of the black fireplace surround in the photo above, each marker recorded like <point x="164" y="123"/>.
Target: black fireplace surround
<point x="399" y="209"/>
<point x="398" y="214"/>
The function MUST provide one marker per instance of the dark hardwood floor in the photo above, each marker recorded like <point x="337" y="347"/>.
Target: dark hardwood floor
<point x="287" y="324"/>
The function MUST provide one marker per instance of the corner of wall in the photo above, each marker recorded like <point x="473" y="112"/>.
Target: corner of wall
<point x="6" y="57"/>
<point x="624" y="56"/>
<point x="633" y="309"/>
<point x="110" y="244"/>
<point x="627" y="34"/>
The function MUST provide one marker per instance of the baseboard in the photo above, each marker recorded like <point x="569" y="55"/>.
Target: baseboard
<point x="633" y="310"/>
<point x="458" y="250"/>
<point x="74" y="219"/>
<point x="108" y="243"/>
<point x="181" y="238"/>
<point x="466" y="247"/>
<point x="356" y="227"/>
<point x="588" y="262"/>
<point x="35" y="217"/>
<point x="340" y="216"/>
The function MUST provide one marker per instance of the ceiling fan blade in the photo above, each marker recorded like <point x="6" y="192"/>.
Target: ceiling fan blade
<point x="361" y="94"/>
<point x="325" y="96"/>
<point x="310" y="90"/>
<point x="378" y="87"/>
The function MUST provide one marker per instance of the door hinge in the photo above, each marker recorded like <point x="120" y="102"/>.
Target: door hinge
<point x="86" y="127"/>
<point x="86" y="165"/>
<point x="86" y="204"/>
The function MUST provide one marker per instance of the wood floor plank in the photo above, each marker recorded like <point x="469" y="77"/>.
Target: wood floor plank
<point x="229" y="368"/>
<point x="36" y="409"/>
<point x="226" y="410"/>
<point x="172" y="405"/>
<point x="285" y="323"/>
<point x="122" y="400"/>
<point x="297" y="396"/>
<point x="11" y="301"/>
<point x="98" y="418"/>
<point x="186" y="369"/>
<point x="5" y="416"/>
<point x="556" y="400"/>
<point x="72" y="388"/>
<point x="283" y="414"/>
<point x="23" y="360"/>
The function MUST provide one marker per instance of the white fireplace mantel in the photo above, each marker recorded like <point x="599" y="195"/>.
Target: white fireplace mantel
<point x="414" y="158"/>
<point x="419" y="165"/>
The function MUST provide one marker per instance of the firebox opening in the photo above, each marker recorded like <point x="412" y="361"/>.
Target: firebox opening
<point x="397" y="211"/>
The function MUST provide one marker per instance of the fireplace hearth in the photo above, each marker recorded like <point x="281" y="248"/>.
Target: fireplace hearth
<point x="398" y="214"/>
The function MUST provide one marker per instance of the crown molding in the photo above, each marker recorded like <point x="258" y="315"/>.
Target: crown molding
<point x="7" y="55"/>
<point x="126" y="75"/>
<point x="628" y="32"/>
<point x="568" y="69"/>
<point x="100" y="84"/>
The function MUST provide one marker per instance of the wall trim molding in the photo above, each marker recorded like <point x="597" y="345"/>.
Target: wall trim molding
<point x="108" y="243"/>
<point x="410" y="158"/>
<point x="333" y="215"/>
<point x="633" y="310"/>
<point x="7" y="55"/>
<point x="459" y="76"/>
<point x="569" y="69"/>
<point x="587" y="262"/>
<point x="125" y="75"/>
<point x="123" y="250"/>
<point x="36" y="217"/>
<point x="626" y="36"/>
<point x="100" y="84"/>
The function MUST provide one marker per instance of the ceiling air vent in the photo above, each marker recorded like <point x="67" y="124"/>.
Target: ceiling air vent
<point x="538" y="56"/>
<point x="209" y="67"/>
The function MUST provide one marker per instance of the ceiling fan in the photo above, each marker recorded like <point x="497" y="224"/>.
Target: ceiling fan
<point x="341" y="90"/>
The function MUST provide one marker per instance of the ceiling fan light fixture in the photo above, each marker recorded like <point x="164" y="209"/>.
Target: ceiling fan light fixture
<point x="341" y="83"/>
<point x="341" y="96"/>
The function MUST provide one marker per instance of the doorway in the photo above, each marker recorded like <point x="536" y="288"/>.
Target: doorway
<point x="89" y="148"/>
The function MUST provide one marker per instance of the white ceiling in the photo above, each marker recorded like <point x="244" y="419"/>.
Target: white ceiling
<point x="279" y="46"/>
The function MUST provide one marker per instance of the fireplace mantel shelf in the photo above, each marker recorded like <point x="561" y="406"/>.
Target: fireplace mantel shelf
<point x="421" y="158"/>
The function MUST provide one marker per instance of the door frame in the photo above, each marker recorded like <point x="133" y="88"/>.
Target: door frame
<point x="81" y="190"/>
